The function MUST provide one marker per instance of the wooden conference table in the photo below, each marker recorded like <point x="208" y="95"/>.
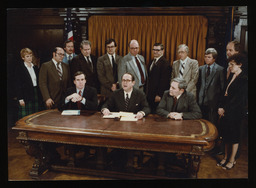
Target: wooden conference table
<point x="39" y="131"/>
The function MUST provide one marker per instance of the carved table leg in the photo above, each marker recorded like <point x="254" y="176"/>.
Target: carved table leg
<point x="71" y="155"/>
<point x="101" y="154"/>
<point x="193" y="165"/>
<point x="161" y="162"/>
<point x="38" y="151"/>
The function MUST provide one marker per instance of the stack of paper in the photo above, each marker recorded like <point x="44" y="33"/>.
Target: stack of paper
<point x="70" y="112"/>
<point x="124" y="116"/>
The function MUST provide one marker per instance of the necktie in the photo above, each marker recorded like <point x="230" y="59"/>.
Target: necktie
<point x="114" y="69"/>
<point x="79" y="102"/>
<point x="141" y="72"/>
<point x="69" y="59"/>
<point x="126" y="102"/>
<point x="59" y="71"/>
<point x="153" y="64"/>
<point x="90" y="63"/>
<point x="174" y="104"/>
<point x="208" y="71"/>
<point x="182" y="69"/>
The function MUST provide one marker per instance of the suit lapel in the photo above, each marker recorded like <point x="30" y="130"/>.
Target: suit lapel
<point x="133" y="66"/>
<point x="53" y="68"/>
<point x="203" y="74"/>
<point x="28" y="78"/>
<point x="108" y="63"/>
<point x="178" y="68"/>
<point x="212" y="73"/>
<point x="187" y="67"/>
<point x="180" y="102"/>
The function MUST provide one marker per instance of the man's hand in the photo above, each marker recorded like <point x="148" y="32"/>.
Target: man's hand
<point x="106" y="112"/>
<point x="74" y="97"/>
<point x="139" y="115"/>
<point x="221" y="111"/>
<point x="113" y="88"/>
<point x="175" y="115"/>
<point x="49" y="102"/>
<point x="22" y="103"/>
<point x="157" y="99"/>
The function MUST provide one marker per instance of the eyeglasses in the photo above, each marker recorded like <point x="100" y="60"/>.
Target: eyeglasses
<point x="158" y="50"/>
<point x="123" y="80"/>
<point x="110" y="46"/>
<point x="60" y="54"/>
<point x="136" y="48"/>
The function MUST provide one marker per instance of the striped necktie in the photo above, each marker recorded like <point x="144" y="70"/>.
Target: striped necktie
<point x="182" y="69"/>
<point x="141" y="71"/>
<point x="59" y="71"/>
<point x="126" y="102"/>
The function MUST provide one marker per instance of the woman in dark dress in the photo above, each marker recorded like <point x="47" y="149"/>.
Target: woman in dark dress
<point x="27" y="90"/>
<point x="232" y="108"/>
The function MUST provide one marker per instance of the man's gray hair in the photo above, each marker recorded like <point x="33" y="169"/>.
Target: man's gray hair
<point x="85" y="42"/>
<point x="182" y="83"/>
<point x="184" y="46"/>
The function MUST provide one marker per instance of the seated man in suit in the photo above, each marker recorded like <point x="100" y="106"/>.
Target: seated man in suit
<point x="128" y="99"/>
<point x="81" y="96"/>
<point x="177" y="103"/>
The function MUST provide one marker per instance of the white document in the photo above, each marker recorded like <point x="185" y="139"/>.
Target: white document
<point x="128" y="116"/>
<point x="124" y="116"/>
<point x="112" y="115"/>
<point x="70" y="112"/>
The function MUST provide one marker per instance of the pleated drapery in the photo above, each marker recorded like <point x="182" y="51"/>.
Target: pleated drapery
<point x="171" y="31"/>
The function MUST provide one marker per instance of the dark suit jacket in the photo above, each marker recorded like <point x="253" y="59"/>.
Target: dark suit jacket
<point x="90" y="94"/>
<point x="79" y="63"/>
<point x="50" y="84"/>
<point x="158" y="78"/>
<point x="212" y="87"/>
<point x="138" y="102"/>
<point x="186" y="104"/>
<point x="235" y="103"/>
<point x="24" y="85"/>
<point x="106" y="75"/>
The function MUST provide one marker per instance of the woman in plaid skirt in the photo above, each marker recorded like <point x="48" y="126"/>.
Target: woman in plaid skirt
<point x="27" y="90"/>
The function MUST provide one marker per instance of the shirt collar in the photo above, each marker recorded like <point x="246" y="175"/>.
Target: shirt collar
<point x="158" y="58"/>
<point x="110" y="56"/>
<point x="67" y="55"/>
<point x="77" y="91"/>
<point x="129" y="93"/>
<point x="32" y="65"/>
<point x="212" y="65"/>
<point x="55" y="62"/>
<point x="185" y="60"/>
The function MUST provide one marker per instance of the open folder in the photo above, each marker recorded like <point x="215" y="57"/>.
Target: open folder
<point x="124" y="116"/>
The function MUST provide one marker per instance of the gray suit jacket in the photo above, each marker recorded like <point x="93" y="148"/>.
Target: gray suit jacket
<point x="190" y="74"/>
<point x="50" y="84"/>
<point x="211" y="88"/>
<point x="186" y="104"/>
<point x="127" y="65"/>
<point x="106" y="74"/>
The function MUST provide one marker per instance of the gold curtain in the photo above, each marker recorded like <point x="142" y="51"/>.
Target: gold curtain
<point x="171" y="31"/>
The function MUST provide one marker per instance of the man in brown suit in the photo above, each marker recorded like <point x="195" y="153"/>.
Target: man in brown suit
<point x="54" y="79"/>
<point x="107" y="68"/>
<point x="186" y="68"/>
